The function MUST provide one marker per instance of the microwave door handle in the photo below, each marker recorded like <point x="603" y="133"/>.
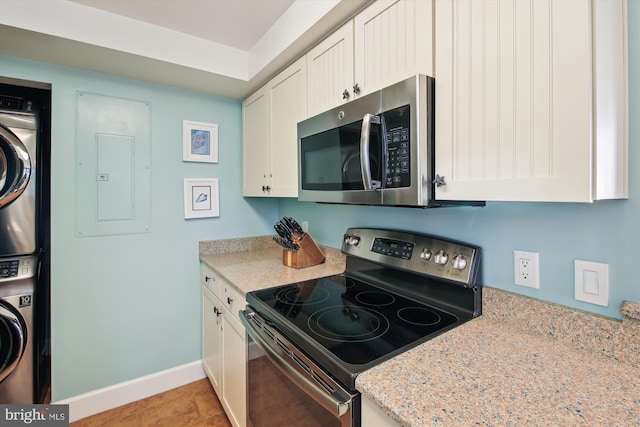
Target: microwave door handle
<point x="365" y="161"/>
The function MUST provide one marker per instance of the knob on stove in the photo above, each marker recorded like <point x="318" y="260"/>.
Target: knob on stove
<point x="459" y="262"/>
<point x="351" y="240"/>
<point x="441" y="258"/>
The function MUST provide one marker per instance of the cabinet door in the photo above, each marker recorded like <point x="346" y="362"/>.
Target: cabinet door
<point x="393" y="40"/>
<point x="234" y="376"/>
<point x="288" y="107"/>
<point x="210" y="279"/>
<point x="330" y="71"/>
<point x="212" y="339"/>
<point x="513" y="100"/>
<point x="373" y="415"/>
<point x="256" y="147"/>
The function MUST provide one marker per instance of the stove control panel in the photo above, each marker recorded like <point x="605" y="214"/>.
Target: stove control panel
<point x="394" y="248"/>
<point x="421" y="253"/>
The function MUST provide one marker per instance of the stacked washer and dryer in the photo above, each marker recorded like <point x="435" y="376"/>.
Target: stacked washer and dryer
<point x="21" y="248"/>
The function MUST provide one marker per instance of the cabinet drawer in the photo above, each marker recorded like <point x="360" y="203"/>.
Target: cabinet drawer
<point x="210" y="279"/>
<point x="232" y="299"/>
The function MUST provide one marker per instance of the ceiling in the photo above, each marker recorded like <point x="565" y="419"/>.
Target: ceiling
<point x="223" y="47"/>
<point x="235" y="23"/>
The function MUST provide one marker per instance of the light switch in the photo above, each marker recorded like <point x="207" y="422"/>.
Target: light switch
<point x="592" y="282"/>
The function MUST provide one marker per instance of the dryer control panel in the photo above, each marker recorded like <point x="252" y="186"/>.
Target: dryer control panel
<point x="14" y="103"/>
<point x="9" y="269"/>
<point x="17" y="268"/>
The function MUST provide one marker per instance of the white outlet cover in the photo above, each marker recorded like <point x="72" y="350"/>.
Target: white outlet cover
<point x="592" y="282"/>
<point x="533" y="281"/>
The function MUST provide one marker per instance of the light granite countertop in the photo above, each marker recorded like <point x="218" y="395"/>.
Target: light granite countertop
<point x="523" y="362"/>
<point x="256" y="263"/>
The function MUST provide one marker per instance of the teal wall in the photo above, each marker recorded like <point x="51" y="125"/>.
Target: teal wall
<point x="605" y="231"/>
<point x="129" y="305"/>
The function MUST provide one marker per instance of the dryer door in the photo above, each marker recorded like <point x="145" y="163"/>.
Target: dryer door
<point x="13" y="339"/>
<point x="15" y="167"/>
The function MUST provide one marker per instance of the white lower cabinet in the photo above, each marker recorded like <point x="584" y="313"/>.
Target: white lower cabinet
<point x="223" y="344"/>
<point x="234" y="376"/>
<point x="211" y="339"/>
<point x="373" y="415"/>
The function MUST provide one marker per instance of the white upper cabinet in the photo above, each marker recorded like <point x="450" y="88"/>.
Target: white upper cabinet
<point x="256" y="147"/>
<point x="393" y="40"/>
<point x="385" y="43"/>
<point x="288" y="107"/>
<point x="531" y="99"/>
<point x="330" y="71"/>
<point x="270" y="118"/>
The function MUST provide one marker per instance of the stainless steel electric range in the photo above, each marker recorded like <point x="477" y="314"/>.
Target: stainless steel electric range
<point x="308" y="341"/>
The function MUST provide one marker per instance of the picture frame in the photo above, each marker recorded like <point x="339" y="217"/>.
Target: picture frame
<point x="201" y="198"/>
<point x="199" y="142"/>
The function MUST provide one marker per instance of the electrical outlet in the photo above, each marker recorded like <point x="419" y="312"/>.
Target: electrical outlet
<point x="305" y="226"/>
<point x="526" y="269"/>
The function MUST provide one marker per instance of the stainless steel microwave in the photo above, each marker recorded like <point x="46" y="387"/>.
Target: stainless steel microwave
<point x="375" y="150"/>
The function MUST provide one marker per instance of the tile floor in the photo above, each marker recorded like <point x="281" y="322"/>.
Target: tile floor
<point x="192" y="405"/>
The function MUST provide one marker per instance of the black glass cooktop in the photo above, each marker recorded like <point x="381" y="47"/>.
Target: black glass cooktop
<point x="355" y="321"/>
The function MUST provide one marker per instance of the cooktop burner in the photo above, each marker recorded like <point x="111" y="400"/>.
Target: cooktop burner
<point x="351" y="324"/>
<point x="356" y="321"/>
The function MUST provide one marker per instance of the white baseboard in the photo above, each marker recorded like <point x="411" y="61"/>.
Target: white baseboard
<point x="103" y="399"/>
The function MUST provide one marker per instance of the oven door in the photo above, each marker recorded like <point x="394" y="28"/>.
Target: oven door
<point x="284" y="387"/>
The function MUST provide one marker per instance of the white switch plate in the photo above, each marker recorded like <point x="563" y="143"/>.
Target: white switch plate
<point x="592" y="282"/>
<point x="526" y="269"/>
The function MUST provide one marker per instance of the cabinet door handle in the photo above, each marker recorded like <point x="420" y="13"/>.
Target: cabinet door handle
<point x="439" y="181"/>
<point x="345" y="94"/>
<point x="229" y="300"/>
<point x="207" y="278"/>
<point x="217" y="312"/>
<point x="356" y="89"/>
<point x="266" y="188"/>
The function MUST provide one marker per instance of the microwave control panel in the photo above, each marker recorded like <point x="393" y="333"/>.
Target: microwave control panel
<point x="399" y="148"/>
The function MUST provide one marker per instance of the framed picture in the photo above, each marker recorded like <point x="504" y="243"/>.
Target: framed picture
<point x="201" y="199"/>
<point x="199" y="142"/>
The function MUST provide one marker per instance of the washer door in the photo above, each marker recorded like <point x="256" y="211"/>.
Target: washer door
<point x="13" y="340"/>
<point x="15" y="167"/>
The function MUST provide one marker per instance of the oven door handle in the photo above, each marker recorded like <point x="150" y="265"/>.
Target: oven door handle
<point x="365" y="159"/>
<point x="338" y="407"/>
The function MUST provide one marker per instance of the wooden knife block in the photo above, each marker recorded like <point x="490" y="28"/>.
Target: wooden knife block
<point x="308" y="255"/>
